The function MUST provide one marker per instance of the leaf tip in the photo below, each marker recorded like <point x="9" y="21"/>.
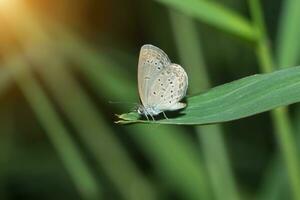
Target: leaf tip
<point x="127" y="118"/>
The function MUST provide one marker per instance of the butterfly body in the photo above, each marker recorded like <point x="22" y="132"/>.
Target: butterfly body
<point x="161" y="84"/>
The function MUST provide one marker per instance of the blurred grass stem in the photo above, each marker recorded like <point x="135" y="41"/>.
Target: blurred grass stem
<point x="64" y="145"/>
<point x="282" y="124"/>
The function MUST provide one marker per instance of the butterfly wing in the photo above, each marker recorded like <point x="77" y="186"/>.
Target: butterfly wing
<point x="169" y="88"/>
<point x="152" y="61"/>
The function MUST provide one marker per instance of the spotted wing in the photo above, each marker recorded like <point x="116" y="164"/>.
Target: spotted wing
<point x="169" y="88"/>
<point x="152" y="61"/>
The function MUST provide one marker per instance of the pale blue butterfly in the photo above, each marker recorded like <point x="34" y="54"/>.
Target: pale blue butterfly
<point x="161" y="84"/>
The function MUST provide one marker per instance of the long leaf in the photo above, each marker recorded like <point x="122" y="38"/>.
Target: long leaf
<point x="242" y="98"/>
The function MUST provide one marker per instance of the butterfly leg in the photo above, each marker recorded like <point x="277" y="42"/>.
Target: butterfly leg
<point x="147" y="117"/>
<point x="152" y="117"/>
<point x="165" y="115"/>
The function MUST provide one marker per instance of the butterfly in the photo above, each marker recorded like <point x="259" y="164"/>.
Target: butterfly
<point x="161" y="84"/>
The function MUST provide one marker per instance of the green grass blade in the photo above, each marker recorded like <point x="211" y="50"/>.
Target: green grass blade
<point x="211" y="137"/>
<point x="288" y="44"/>
<point x="215" y="15"/>
<point x="58" y="135"/>
<point x="238" y="99"/>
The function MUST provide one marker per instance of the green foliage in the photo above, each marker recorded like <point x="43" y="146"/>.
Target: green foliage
<point x="67" y="83"/>
<point x="235" y="100"/>
<point x="215" y="15"/>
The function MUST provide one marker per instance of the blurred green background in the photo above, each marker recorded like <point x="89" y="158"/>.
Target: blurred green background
<point x="67" y="67"/>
